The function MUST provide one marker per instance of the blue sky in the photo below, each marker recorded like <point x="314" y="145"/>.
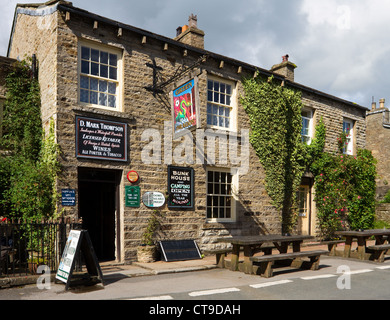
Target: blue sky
<point x="341" y="47"/>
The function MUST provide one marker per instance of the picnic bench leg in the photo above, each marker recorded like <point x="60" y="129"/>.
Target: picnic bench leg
<point x="266" y="269"/>
<point x="361" y="248"/>
<point x="315" y="262"/>
<point x="248" y="265"/>
<point x="220" y="260"/>
<point x="235" y="257"/>
<point x="347" y="247"/>
<point x="332" y="249"/>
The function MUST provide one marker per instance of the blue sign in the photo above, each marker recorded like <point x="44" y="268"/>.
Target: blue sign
<point x="68" y="197"/>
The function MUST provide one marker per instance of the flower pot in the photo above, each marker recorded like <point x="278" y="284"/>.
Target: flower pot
<point x="147" y="254"/>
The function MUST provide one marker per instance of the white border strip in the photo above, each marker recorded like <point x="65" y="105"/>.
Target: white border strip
<point x="269" y="284"/>
<point x="210" y="292"/>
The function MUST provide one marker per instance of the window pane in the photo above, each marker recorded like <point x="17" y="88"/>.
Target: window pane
<point x="228" y="89"/>
<point x="104" y="71"/>
<point x="209" y="119"/>
<point x="209" y="95"/>
<point x="102" y="99"/>
<point x="222" y="97"/>
<point x="209" y="85"/>
<point x="228" y="100"/>
<point x="84" y="96"/>
<point x="84" y="82"/>
<point x="112" y="87"/>
<point x="103" y="86"/>
<point x="95" y="69"/>
<point x="95" y="55"/>
<point x="94" y="84"/>
<point x="220" y="122"/>
<point x="223" y="88"/>
<point x="103" y="57"/>
<point x="216" y="97"/>
<point x="113" y="73"/>
<point x="93" y="97"/>
<point x="111" y="101"/>
<point x="85" y="67"/>
<point x="113" y="60"/>
<point x="216" y="86"/>
<point x="84" y="53"/>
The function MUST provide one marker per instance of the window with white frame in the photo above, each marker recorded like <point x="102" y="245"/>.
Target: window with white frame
<point x="220" y="101"/>
<point x="307" y="125"/>
<point x="99" y="76"/>
<point x="220" y="200"/>
<point x="348" y="130"/>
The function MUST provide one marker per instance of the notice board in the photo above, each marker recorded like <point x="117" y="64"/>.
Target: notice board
<point x="180" y="187"/>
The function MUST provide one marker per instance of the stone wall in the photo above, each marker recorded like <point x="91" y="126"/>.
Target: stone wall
<point x="56" y="47"/>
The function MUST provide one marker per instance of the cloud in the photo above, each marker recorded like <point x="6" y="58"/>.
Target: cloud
<point x="340" y="46"/>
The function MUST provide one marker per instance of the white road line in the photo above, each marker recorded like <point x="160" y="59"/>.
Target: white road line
<point x="210" y="292"/>
<point x="383" y="267"/>
<point x="154" y="298"/>
<point x="322" y="276"/>
<point x="269" y="284"/>
<point x="359" y="271"/>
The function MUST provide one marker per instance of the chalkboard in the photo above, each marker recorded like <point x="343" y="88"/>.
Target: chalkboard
<point x="180" y="250"/>
<point x="180" y="187"/>
<point x="78" y="242"/>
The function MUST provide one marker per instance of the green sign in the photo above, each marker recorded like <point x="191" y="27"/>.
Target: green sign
<point x="133" y="196"/>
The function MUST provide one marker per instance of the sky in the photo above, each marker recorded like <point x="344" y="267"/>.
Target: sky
<point x="341" y="47"/>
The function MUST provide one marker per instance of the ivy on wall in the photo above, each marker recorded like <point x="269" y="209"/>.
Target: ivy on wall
<point x="275" y="117"/>
<point x="345" y="185"/>
<point x="28" y="172"/>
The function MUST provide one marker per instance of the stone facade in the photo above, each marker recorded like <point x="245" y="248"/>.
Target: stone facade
<point x="55" y="34"/>
<point x="378" y="137"/>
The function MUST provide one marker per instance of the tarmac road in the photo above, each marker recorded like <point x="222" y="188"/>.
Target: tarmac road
<point x="337" y="279"/>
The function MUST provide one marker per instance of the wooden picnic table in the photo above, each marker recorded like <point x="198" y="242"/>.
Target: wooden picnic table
<point x="251" y="244"/>
<point x="365" y="252"/>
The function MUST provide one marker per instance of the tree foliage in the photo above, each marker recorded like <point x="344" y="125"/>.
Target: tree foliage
<point x="29" y="168"/>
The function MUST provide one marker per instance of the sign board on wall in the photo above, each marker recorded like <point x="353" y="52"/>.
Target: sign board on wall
<point x="153" y="199"/>
<point x="133" y="196"/>
<point x="185" y="111"/>
<point x="101" y="139"/>
<point x="180" y="187"/>
<point x="68" y="197"/>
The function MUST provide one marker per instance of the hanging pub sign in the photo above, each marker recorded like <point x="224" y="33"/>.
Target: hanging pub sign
<point x="185" y="107"/>
<point x="180" y="187"/>
<point x="101" y="139"/>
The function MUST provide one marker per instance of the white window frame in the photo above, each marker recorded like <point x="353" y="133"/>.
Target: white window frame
<point x="214" y="104"/>
<point x="211" y="196"/>
<point x="309" y="136"/>
<point x="119" y="81"/>
<point x="350" y="141"/>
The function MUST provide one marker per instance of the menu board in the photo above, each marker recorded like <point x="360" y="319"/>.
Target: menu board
<point x="101" y="139"/>
<point x="180" y="187"/>
<point x="66" y="263"/>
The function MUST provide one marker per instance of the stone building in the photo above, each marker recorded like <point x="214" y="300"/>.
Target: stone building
<point x="378" y="137"/>
<point x="141" y="117"/>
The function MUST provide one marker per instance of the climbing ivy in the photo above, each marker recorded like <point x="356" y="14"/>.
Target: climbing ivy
<point x="276" y="123"/>
<point x="29" y="166"/>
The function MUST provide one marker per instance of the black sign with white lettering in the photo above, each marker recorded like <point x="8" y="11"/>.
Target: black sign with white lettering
<point x="180" y="187"/>
<point x="101" y="139"/>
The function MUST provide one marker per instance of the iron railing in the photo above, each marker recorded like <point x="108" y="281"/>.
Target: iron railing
<point x="26" y="245"/>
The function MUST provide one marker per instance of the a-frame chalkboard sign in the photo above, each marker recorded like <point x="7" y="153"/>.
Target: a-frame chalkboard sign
<point x="78" y="242"/>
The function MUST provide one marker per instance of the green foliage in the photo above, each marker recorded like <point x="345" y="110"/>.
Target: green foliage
<point x="345" y="191"/>
<point x="275" y="117"/>
<point x="154" y="223"/>
<point x="28" y="173"/>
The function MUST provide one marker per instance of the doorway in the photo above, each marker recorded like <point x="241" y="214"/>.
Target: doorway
<point x="306" y="217"/>
<point x="98" y="203"/>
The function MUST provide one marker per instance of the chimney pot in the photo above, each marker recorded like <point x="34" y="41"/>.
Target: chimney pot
<point x="178" y="31"/>
<point x="193" y="21"/>
<point x="373" y="106"/>
<point x="285" y="58"/>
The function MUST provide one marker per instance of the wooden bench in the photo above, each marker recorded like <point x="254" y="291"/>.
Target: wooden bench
<point x="332" y="245"/>
<point x="220" y="255"/>
<point x="266" y="261"/>
<point x="379" y="251"/>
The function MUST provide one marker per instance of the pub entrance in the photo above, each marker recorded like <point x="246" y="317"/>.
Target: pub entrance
<point x="98" y="202"/>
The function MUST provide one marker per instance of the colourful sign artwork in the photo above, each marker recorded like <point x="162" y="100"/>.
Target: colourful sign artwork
<point x="184" y="107"/>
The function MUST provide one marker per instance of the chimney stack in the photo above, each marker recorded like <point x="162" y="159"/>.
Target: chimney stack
<point x="382" y="103"/>
<point x="286" y="68"/>
<point x="190" y="34"/>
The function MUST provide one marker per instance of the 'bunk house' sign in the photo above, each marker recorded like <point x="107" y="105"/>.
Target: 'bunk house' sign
<point x="101" y="139"/>
<point x="180" y="187"/>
